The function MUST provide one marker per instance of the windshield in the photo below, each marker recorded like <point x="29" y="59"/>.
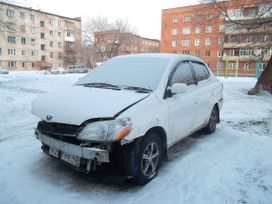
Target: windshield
<point x="145" y="72"/>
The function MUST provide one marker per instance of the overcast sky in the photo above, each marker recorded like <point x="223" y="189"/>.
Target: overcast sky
<point x="145" y="15"/>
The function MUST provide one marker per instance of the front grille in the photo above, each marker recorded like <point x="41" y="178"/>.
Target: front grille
<point x="58" y="129"/>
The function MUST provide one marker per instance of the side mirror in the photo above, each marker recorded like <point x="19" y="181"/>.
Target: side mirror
<point x="179" y="88"/>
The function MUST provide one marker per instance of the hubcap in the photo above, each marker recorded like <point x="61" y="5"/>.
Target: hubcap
<point x="213" y="119"/>
<point x="150" y="159"/>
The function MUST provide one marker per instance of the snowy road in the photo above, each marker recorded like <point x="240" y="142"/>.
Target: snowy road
<point x="233" y="165"/>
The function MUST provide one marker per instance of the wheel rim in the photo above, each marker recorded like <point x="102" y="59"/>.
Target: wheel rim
<point x="213" y="119"/>
<point x="150" y="159"/>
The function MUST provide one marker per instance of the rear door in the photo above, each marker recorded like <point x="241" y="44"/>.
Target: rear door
<point x="205" y="92"/>
<point x="182" y="107"/>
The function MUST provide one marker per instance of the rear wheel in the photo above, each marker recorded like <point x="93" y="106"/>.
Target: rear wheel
<point x="149" y="158"/>
<point x="211" y="126"/>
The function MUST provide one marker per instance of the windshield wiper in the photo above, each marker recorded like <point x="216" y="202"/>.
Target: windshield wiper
<point x="138" y="89"/>
<point x="101" y="85"/>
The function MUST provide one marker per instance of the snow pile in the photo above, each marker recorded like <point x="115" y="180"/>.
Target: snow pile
<point x="233" y="165"/>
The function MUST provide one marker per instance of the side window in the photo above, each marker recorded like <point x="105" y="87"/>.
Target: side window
<point x="200" y="71"/>
<point x="182" y="74"/>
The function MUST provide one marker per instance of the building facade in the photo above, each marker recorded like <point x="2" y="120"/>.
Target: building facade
<point x="202" y="31"/>
<point x="113" y="43"/>
<point x="33" y="39"/>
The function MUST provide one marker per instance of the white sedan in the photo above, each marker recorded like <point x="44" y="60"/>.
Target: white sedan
<point x="124" y="116"/>
<point x="3" y="71"/>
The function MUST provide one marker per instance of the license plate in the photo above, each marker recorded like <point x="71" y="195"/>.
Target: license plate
<point x="54" y="152"/>
<point x="74" y="160"/>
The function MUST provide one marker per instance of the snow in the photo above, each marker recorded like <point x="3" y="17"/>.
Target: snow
<point x="233" y="165"/>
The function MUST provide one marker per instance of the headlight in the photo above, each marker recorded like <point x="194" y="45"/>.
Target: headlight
<point x="109" y="130"/>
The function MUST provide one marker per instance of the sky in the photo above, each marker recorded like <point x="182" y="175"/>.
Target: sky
<point x="145" y="15"/>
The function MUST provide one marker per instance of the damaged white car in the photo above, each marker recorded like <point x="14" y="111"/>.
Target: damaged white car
<point x="124" y="115"/>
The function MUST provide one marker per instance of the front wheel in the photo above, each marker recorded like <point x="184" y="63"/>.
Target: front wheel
<point x="148" y="159"/>
<point x="214" y="118"/>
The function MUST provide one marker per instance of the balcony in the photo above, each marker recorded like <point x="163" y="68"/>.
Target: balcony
<point x="69" y="39"/>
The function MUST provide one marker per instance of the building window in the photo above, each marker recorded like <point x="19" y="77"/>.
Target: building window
<point x="197" y="42"/>
<point x="70" y="33"/>
<point x="220" y="53"/>
<point x="175" y="19"/>
<point x="186" y="52"/>
<point x="22" y="28"/>
<point x="186" y="31"/>
<point x="42" y="35"/>
<point x="52" y="54"/>
<point x="198" y="17"/>
<point x="12" y="64"/>
<point x="59" y="23"/>
<point x="197" y="30"/>
<point x="11" y="52"/>
<point x="43" y="47"/>
<point x="51" y="32"/>
<point x="23" y="40"/>
<point x="60" y="55"/>
<point x="60" y="45"/>
<point x="197" y="53"/>
<point x="33" y="41"/>
<point x="42" y="24"/>
<point x="32" y="64"/>
<point x="23" y="64"/>
<point x="263" y="66"/>
<point x="59" y="34"/>
<point x="32" y="17"/>
<point x="219" y="65"/>
<point x="10" y="13"/>
<point x="11" y="39"/>
<point x="247" y="66"/>
<point x="185" y="42"/>
<point x="43" y="58"/>
<point x="234" y="52"/>
<point x="208" y="29"/>
<point x="22" y="15"/>
<point x="208" y="41"/>
<point x="23" y="52"/>
<point x="221" y="28"/>
<point x="220" y="41"/>
<point x="0" y="51"/>
<point x="51" y="44"/>
<point x="207" y="53"/>
<point x="209" y="16"/>
<point x="52" y="22"/>
<point x="32" y="29"/>
<point x="174" y="43"/>
<point x="232" y="65"/>
<point x="245" y="52"/>
<point x="34" y="53"/>
<point x="187" y="18"/>
<point x="174" y="31"/>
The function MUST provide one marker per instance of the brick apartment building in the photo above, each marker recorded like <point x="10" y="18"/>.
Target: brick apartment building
<point x="37" y="39"/>
<point x="202" y="31"/>
<point x="113" y="43"/>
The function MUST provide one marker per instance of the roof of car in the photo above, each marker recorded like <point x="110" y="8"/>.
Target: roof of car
<point x="164" y="56"/>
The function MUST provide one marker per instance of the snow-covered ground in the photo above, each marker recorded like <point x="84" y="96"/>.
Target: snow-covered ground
<point x="233" y="165"/>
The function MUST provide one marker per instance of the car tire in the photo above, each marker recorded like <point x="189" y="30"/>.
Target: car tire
<point x="148" y="159"/>
<point x="213" y="120"/>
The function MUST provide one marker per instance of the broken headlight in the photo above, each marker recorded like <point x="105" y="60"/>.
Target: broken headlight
<point x="108" y="130"/>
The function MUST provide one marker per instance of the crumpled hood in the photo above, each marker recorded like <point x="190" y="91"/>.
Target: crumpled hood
<point x="77" y="104"/>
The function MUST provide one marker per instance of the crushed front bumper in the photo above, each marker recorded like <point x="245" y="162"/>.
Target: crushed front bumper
<point x="88" y="153"/>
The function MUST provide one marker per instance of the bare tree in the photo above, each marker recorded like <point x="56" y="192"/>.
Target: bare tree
<point x="250" y="16"/>
<point x="107" y="38"/>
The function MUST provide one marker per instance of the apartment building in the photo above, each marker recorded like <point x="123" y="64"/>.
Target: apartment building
<point x="113" y="43"/>
<point x="202" y="31"/>
<point x="34" y="39"/>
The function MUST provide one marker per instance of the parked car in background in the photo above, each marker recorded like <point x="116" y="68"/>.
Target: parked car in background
<point x="126" y="115"/>
<point x="3" y="71"/>
<point x="58" y="70"/>
<point x="77" y="69"/>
